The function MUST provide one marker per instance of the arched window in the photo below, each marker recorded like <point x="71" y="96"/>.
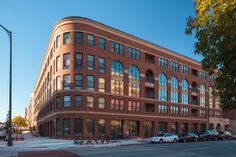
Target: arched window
<point x="162" y="87"/>
<point x="134" y="83"/>
<point x="117" y="68"/>
<point x="184" y="85"/>
<point x="134" y="72"/>
<point x="210" y="97"/>
<point x="174" y="82"/>
<point x="162" y="80"/>
<point x="174" y="89"/>
<point x="184" y="92"/>
<point x="202" y="95"/>
<point x="202" y="89"/>
<point x="117" y="84"/>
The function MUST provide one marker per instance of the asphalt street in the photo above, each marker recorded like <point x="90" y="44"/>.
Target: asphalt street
<point x="198" y="149"/>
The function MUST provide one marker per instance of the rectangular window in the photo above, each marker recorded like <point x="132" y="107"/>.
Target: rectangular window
<point x="90" y="62"/>
<point x="67" y="101"/>
<point x="58" y="83"/>
<point x="58" y="41"/>
<point x="101" y="84"/>
<point x="66" y="127"/>
<point x="185" y="111"/>
<point x="102" y="65"/>
<point x="149" y="107"/>
<point x="174" y="66"/>
<point x="78" y="101"/>
<point x="78" y="38"/>
<point x="57" y="102"/>
<point x="90" y="127"/>
<point x="203" y="75"/>
<point x="90" y="82"/>
<point x="134" y="53"/>
<point x="117" y="104"/>
<point x="58" y="127"/>
<point x="185" y="69"/>
<point x="66" y="82"/>
<point x="66" y="61"/>
<point x="134" y="106"/>
<point x="78" y="61"/>
<point x="102" y="43"/>
<point x="174" y="110"/>
<point x="66" y="38"/>
<point x="78" y="127"/>
<point x="58" y="63"/>
<point x="117" y="48"/>
<point x="101" y="103"/>
<point x="162" y="62"/>
<point x="91" y="40"/>
<point x="134" y="89"/>
<point x="149" y="58"/>
<point x="90" y="101"/>
<point x="79" y="81"/>
<point x="162" y="109"/>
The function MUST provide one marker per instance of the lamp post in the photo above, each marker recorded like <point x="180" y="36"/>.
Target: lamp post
<point x="9" y="142"/>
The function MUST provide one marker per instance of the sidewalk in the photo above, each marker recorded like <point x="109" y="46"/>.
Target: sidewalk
<point x="44" y="143"/>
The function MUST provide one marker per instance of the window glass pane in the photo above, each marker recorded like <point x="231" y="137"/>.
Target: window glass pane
<point x="66" y="61"/>
<point x="79" y="38"/>
<point x="91" y="40"/>
<point x="90" y="82"/>
<point x="90" y="62"/>
<point x="78" y="61"/>
<point x="79" y="81"/>
<point x="90" y="101"/>
<point x="66" y="38"/>
<point x="102" y="65"/>
<point x="66" y="82"/>
<point x="78" y="101"/>
<point x="78" y="127"/>
<point x="66" y="127"/>
<point x="67" y="101"/>
<point x="102" y="43"/>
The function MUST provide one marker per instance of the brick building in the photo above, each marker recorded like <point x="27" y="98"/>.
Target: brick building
<point x="96" y="81"/>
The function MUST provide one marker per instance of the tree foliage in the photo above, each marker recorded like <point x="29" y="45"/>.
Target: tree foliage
<point x="214" y="26"/>
<point x="19" y="121"/>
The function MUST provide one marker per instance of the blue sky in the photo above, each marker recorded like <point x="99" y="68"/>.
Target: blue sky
<point x="159" y="21"/>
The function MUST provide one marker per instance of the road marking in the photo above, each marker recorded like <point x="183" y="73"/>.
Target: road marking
<point x="198" y="148"/>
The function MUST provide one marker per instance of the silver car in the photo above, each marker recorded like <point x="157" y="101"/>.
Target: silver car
<point x="165" y="137"/>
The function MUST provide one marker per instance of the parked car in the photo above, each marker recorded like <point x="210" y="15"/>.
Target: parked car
<point x="2" y="133"/>
<point x="188" y="137"/>
<point x="209" y="135"/>
<point x="165" y="137"/>
<point x="225" y="135"/>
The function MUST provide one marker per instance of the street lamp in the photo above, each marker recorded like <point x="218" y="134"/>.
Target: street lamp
<point x="9" y="142"/>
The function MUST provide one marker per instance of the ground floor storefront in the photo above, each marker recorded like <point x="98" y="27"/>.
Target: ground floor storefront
<point x="95" y="126"/>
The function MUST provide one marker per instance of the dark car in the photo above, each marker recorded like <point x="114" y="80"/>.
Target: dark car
<point x="225" y="135"/>
<point x="188" y="137"/>
<point x="209" y="135"/>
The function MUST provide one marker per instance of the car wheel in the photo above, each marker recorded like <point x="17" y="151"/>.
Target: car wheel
<point x="204" y="139"/>
<point x="229" y="138"/>
<point x="161" y="141"/>
<point x="196" y="140"/>
<point x="215" y="138"/>
<point x="175" y="140"/>
<point x="184" y="140"/>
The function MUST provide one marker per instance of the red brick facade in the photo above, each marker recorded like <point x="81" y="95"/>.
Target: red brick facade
<point x="45" y="89"/>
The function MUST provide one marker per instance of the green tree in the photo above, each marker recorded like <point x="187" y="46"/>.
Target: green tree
<point x="214" y="26"/>
<point x="19" y="121"/>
